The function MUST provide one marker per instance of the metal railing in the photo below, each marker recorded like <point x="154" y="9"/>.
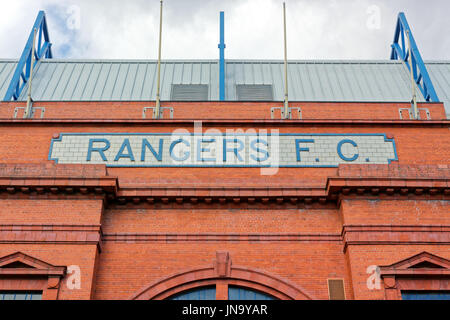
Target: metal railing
<point x="24" y="66"/>
<point x="410" y="55"/>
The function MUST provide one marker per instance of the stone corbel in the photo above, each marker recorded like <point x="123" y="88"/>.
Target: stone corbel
<point x="222" y="264"/>
<point x="390" y="288"/>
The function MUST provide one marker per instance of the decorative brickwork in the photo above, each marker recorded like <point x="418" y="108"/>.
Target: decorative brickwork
<point x="19" y="271"/>
<point x="149" y="233"/>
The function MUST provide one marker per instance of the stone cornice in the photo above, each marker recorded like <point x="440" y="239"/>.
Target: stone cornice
<point x="336" y="189"/>
<point x="75" y="181"/>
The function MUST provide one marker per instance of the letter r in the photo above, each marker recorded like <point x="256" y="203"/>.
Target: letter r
<point x="99" y="150"/>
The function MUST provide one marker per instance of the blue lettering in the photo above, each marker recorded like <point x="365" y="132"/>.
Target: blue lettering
<point x="235" y="149"/>
<point x="200" y="150"/>
<point x="99" y="150"/>
<point x="297" y="146"/>
<point x="129" y="154"/>
<point x="257" y="149"/>
<point x="339" y="150"/>
<point x="186" y="153"/>
<point x="146" y="144"/>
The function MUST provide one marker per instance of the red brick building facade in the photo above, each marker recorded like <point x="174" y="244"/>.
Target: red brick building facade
<point x="93" y="231"/>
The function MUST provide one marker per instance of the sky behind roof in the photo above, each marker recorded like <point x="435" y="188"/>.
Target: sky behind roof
<point x="316" y="29"/>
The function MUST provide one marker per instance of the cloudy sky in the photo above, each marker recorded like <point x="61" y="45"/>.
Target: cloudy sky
<point x="317" y="29"/>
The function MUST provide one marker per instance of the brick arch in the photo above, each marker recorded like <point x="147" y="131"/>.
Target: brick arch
<point x="236" y="275"/>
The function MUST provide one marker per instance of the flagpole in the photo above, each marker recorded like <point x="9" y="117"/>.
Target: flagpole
<point x="158" y="103"/>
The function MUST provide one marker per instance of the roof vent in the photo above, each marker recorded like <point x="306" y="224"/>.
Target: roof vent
<point x="246" y="92"/>
<point x="189" y="92"/>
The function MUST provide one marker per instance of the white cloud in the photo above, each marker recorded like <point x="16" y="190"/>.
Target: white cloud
<point x="317" y="29"/>
<point x="16" y="21"/>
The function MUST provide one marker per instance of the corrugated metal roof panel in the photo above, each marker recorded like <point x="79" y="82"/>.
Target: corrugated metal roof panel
<point x="309" y="80"/>
<point x="138" y="83"/>
<point x="6" y="72"/>
<point x="149" y="89"/>
<point x="87" y="90"/>
<point x="440" y="76"/>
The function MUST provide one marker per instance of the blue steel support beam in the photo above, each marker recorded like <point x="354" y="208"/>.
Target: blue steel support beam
<point x="22" y="72"/>
<point x="222" y="58"/>
<point x="400" y="51"/>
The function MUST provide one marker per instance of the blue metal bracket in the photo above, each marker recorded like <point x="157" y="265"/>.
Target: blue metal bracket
<point x="400" y="51"/>
<point x="43" y="50"/>
<point x="222" y="57"/>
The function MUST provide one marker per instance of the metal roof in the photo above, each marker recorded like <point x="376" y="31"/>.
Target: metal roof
<point x="6" y="72"/>
<point x="309" y="80"/>
<point x="440" y="76"/>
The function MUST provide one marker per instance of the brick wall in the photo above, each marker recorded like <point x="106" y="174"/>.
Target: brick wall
<point x="362" y="256"/>
<point x="127" y="267"/>
<point x="129" y="227"/>
<point x="220" y="110"/>
<point x="83" y="256"/>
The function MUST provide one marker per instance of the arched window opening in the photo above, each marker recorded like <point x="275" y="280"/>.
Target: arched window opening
<point x="200" y="293"/>
<point x="209" y="293"/>
<point x="241" y="293"/>
<point x="222" y="281"/>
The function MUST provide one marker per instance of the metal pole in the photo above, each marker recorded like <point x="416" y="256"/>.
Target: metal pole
<point x="413" y="84"/>
<point x="222" y="58"/>
<point x="286" y="100"/>
<point x="27" y="112"/>
<point x="156" y="114"/>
